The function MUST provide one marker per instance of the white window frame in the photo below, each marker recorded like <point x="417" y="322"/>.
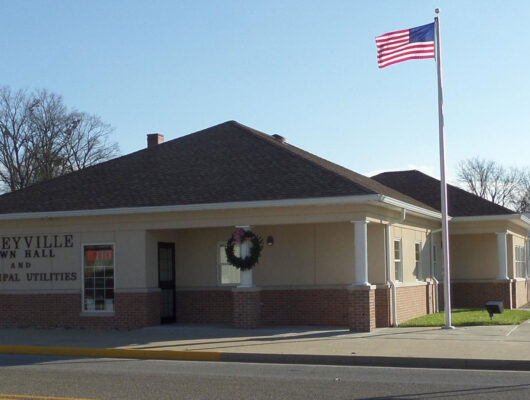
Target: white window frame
<point x="417" y="261"/>
<point x="91" y="312"/>
<point x="398" y="272"/>
<point x="520" y="262"/>
<point x="219" y="265"/>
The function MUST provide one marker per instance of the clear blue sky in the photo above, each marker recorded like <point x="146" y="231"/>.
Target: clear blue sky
<point x="303" y="69"/>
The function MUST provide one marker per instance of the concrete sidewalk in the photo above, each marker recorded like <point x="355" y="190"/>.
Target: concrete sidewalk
<point x="483" y="347"/>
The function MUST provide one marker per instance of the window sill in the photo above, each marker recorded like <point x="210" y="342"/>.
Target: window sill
<point x="97" y="314"/>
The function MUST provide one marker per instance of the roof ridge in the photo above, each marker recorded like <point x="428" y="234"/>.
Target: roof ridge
<point x="458" y="188"/>
<point x="112" y="160"/>
<point x="289" y="149"/>
<point x="453" y="190"/>
<point x="336" y="169"/>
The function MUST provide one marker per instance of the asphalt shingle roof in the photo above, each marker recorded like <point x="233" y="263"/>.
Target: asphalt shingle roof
<point x="225" y="163"/>
<point x="427" y="189"/>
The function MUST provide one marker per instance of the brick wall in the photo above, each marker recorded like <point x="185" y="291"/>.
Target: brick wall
<point x="247" y="308"/>
<point x="362" y="310"/>
<point x="132" y="310"/>
<point x="414" y="301"/>
<point x="520" y="293"/>
<point x="204" y="306"/>
<point x="476" y="294"/>
<point x="328" y="307"/>
<point x="431" y="298"/>
<point x="383" y="304"/>
<point x="244" y="309"/>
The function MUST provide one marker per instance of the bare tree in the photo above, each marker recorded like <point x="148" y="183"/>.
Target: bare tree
<point x="491" y="181"/>
<point x="524" y="203"/>
<point x="41" y="139"/>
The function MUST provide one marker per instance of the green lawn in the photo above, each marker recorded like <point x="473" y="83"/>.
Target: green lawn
<point x="468" y="317"/>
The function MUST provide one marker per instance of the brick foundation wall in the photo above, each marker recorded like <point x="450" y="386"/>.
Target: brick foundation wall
<point x="476" y="294"/>
<point x="519" y="293"/>
<point x="247" y="308"/>
<point x="132" y="310"/>
<point x="362" y="310"/>
<point x="431" y="298"/>
<point x="383" y="304"/>
<point x="414" y="301"/>
<point x="328" y="307"/>
<point x="204" y="306"/>
<point x="251" y="308"/>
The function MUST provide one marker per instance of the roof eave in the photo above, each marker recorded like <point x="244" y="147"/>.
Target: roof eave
<point x="519" y="219"/>
<point x="315" y="201"/>
<point x="431" y="214"/>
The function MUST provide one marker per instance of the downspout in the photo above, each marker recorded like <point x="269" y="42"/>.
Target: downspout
<point x="433" y="274"/>
<point x="389" y="263"/>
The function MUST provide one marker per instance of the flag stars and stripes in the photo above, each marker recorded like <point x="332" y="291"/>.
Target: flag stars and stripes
<point x="405" y="44"/>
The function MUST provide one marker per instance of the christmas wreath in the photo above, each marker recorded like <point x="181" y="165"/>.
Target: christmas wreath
<point x="239" y="237"/>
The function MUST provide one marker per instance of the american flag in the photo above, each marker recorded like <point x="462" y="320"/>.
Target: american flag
<point x="406" y="44"/>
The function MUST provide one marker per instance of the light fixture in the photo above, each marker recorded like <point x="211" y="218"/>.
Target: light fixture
<point x="270" y="240"/>
<point x="494" y="307"/>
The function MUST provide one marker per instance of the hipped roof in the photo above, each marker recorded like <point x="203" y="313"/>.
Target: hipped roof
<point x="229" y="162"/>
<point x="427" y="189"/>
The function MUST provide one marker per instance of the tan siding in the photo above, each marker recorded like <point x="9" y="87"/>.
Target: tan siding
<point x="474" y="256"/>
<point x="409" y="236"/>
<point x="334" y="254"/>
<point x="376" y="254"/>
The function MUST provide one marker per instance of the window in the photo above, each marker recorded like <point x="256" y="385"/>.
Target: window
<point x="98" y="277"/>
<point x="417" y="259"/>
<point x="520" y="261"/>
<point x="398" y="264"/>
<point x="227" y="273"/>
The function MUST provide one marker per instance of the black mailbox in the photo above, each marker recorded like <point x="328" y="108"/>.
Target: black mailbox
<point x="494" y="307"/>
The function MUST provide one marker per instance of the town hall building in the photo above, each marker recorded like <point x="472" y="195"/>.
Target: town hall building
<point x="141" y="240"/>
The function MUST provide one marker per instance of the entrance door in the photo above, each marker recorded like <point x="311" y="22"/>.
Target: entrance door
<point x="166" y="282"/>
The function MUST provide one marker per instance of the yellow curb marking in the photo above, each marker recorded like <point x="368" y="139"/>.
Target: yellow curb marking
<point x="5" y="396"/>
<point x="113" y="353"/>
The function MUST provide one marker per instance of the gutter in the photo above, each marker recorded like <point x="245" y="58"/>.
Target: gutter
<point x="519" y="219"/>
<point x="411" y="207"/>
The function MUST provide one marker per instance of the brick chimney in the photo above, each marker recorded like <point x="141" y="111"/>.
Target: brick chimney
<point x="153" y="139"/>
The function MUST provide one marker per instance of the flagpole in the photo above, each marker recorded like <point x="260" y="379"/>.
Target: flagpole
<point x="445" y="224"/>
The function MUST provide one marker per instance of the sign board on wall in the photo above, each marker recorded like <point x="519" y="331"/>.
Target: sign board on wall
<point x="33" y="260"/>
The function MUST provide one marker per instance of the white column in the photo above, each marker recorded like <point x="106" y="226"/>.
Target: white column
<point x="361" y="253"/>
<point x="503" y="255"/>
<point x="246" y="276"/>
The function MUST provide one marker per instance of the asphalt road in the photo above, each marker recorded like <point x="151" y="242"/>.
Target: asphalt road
<point x="51" y="378"/>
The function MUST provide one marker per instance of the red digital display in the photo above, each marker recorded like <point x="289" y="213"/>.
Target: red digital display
<point x="98" y="255"/>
